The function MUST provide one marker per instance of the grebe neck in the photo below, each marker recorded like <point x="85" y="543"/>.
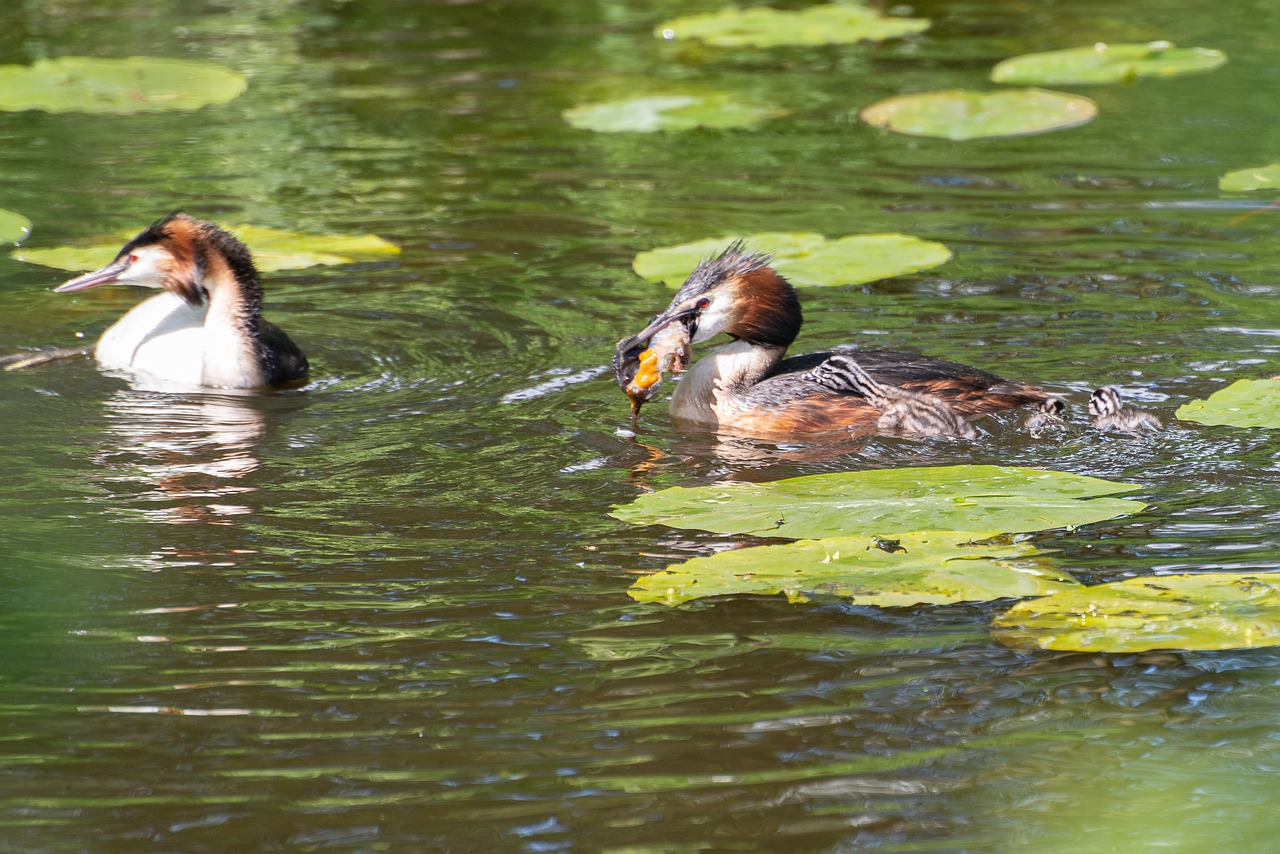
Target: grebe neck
<point x="726" y="372"/>
<point x="233" y="355"/>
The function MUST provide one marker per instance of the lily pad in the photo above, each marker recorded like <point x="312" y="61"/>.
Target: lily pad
<point x="1214" y="610"/>
<point x="1106" y="63"/>
<point x="133" y="85"/>
<point x="14" y="227"/>
<point x="805" y="259"/>
<point x="1256" y="178"/>
<point x="1244" y="403"/>
<point x="963" y="114"/>
<point x="273" y="249"/>
<point x="762" y="26"/>
<point x="937" y="568"/>
<point x="945" y="498"/>
<point x="669" y="112"/>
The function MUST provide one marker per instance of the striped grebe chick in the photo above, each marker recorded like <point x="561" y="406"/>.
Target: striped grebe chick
<point x="911" y="413"/>
<point x="206" y="329"/>
<point x="1109" y="412"/>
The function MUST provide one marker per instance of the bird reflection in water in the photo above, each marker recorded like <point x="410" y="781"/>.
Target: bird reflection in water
<point x="188" y="450"/>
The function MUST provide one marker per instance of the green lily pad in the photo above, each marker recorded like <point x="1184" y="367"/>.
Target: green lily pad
<point x="761" y="26"/>
<point x="1244" y="403"/>
<point x="1214" y="610"/>
<point x="273" y="249"/>
<point x="962" y="114"/>
<point x="669" y="112"/>
<point x="14" y="227"/>
<point x="1105" y="63"/>
<point x="1256" y="178"/>
<point x="805" y="259"/>
<point x="936" y="568"/>
<point x="946" y="498"/>
<point x="133" y="85"/>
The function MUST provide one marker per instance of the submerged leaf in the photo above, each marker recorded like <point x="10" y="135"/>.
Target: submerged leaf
<point x="1105" y="63"/>
<point x="1217" y="610"/>
<point x="14" y="227"/>
<point x="669" y="112"/>
<point x="132" y="85"/>
<point x="946" y="498"/>
<point x="962" y="114"/>
<point x="762" y="26"/>
<point x="272" y="248"/>
<point x="1256" y="178"/>
<point x="938" y="568"/>
<point x="805" y="259"/>
<point x="1244" y="403"/>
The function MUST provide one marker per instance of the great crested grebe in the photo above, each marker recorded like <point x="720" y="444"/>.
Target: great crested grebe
<point x="206" y="329"/>
<point x="747" y="386"/>
<point x="1109" y="413"/>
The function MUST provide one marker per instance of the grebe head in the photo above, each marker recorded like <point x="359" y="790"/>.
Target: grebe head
<point x="737" y="293"/>
<point x="169" y="254"/>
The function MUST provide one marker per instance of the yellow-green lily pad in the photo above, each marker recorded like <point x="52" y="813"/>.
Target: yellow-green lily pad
<point x="132" y="85"/>
<point x="1105" y="63"/>
<point x="1213" y="610"/>
<point x="1255" y="178"/>
<point x="669" y="112"/>
<point x="762" y="26"/>
<point x="273" y="249"/>
<point x="805" y="259"/>
<point x="946" y="498"/>
<point x="937" y="568"/>
<point x="1244" y="403"/>
<point x="14" y="227"/>
<point x="962" y="114"/>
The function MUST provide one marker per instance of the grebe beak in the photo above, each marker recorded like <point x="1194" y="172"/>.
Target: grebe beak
<point x="105" y="276"/>
<point x="669" y="317"/>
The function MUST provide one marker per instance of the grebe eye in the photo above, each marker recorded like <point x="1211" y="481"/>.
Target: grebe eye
<point x="703" y="303"/>
<point x="133" y="259"/>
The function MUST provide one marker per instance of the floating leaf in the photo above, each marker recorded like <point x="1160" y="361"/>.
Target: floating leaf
<point x="962" y="114"/>
<point x="14" y="227"/>
<point x="273" y="249"/>
<point x="805" y="259"/>
<point x="1256" y="178"/>
<point x="133" y="85"/>
<point x="761" y="26"/>
<point x="938" y="568"/>
<point x="1244" y="403"/>
<point x="1216" y="610"/>
<point x="1105" y="63"/>
<point x="669" y="112"/>
<point x="947" y="498"/>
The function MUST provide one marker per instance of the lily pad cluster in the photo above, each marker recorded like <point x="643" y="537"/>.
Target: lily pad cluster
<point x="912" y="536"/>
<point x="887" y="537"/>
<point x="964" y="114"/>
<point x="273" y="249"/>
<point x="805" y="258"/>
<point x="133" y="85"/>
<point x="757" y="27"/>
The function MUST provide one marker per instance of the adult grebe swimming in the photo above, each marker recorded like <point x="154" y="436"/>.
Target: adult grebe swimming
<point x="206" y="329"/>
<point x="749" y="387"/>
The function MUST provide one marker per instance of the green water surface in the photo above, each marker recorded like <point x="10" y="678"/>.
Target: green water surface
<point x="388" y="611"/>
